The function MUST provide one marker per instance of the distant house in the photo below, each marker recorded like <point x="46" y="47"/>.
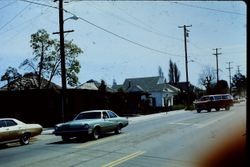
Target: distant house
<point x="93" y="85"/>
<point x="160" y="93"/>
<point x="29" y="81"/>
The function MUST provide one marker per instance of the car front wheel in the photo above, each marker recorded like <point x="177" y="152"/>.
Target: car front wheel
<point x="25" y="139"/>
<point x="118" y="129"/>
<point x="65" y="138"/>
<point x="96" y="133"/>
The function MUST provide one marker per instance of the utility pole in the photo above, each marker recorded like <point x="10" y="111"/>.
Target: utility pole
<point x="186" y="34"/>
<point x="217" y="66"/>
<point x="229" y="69"/>
<point x="62" y="53"/>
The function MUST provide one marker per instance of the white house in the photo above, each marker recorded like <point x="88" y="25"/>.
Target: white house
<point x="161" y="94"/>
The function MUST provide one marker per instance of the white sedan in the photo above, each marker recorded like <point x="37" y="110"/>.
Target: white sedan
<point x="13" y="130"/>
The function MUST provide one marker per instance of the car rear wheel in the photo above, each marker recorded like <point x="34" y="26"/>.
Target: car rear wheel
<point x="198" y="110"/>
<point x="217" y="109"/>
<point x="25" y="139"/>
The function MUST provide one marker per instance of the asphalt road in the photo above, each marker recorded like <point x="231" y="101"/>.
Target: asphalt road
<point x="177" y="139"/>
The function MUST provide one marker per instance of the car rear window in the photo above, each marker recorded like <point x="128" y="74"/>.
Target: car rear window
<point x="10" y="123"/>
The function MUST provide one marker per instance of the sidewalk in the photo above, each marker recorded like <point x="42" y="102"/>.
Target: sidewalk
<point x="48" y="131"/>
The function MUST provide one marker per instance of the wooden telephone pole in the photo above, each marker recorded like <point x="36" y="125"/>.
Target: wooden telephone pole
<point x="186" y="59"/>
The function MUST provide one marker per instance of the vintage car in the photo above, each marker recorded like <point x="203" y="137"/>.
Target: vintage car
<point x="13" y="130"/>
<point x="91" y="123"/>
<point x="216" y="102"/>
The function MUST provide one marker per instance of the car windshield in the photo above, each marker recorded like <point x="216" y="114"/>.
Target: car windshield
<point x="89" y="115"/>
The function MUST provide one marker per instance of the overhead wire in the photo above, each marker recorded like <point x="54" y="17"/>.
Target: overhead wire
<point x="13" y="18"/>
<point x="144" y="26"/>
<point x="10" y="3"/>
<point x="107" y="31"/>
<point x="128" y="40"/>
<point x="41" y="4"/>
<point x="206" y="8"/>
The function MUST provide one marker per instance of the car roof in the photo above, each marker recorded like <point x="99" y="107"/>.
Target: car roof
<point x="91" y="111"/>
<point x="8" y="119"/>
<point x="16" y="120"/>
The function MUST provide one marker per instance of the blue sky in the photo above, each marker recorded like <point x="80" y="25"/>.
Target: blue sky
<point x="151" y="24"/>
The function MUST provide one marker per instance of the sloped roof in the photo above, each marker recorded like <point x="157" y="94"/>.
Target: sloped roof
<point x="93" y="85"/>
<point x="88" y="86"/>
<point x="135" y="88"/>
<point x="29" y="81"/>
<point x="146" y="83"/>
<point x="183" y="86"/>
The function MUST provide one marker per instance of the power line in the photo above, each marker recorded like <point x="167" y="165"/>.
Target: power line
<point x="128" y="40"/>
<point x="13" y="18"/>
<point x="123" y="38"/>
<point x="107" y="31"/>
<point x="216" y="10"/>
<point x="149" y="27"/>
<point x="7" y="5"/>
<point x="41" y="4"/>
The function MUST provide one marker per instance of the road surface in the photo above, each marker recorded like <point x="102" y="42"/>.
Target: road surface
<point x="176" y="139"/>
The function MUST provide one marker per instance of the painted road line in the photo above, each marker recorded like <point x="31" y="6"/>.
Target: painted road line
<point x="124" y="159"/>
<point x="100" y="141"/>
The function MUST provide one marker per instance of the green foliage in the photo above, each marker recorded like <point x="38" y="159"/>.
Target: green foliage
<point x="173" y="73"/>
<point x="10" y="74"/>
<point x="103" y="86"/>
<point x="221" y="87"/>
<point x="47" y="60"/>
<point x="239" y="82"/>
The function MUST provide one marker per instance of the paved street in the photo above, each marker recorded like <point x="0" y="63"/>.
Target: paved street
<point x="176" y="139"/>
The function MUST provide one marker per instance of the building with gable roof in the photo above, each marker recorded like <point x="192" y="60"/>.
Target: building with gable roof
<point x="161" y="94"/>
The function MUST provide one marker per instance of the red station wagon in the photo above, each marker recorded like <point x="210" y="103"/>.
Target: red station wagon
<point x="216" y="102"/>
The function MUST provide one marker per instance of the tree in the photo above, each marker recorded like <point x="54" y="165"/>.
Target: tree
<point x="10" y="74"/>
<point x="176" y="74"/>
<point x="103" y="86"/>
<point x="173" y="73"/>
<point x="239" y="82"/>
<point x="46" y="63"/>
<point x="160" y="72"/>
<point x="221" y="87"/>
<point x="207" y="78"/>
